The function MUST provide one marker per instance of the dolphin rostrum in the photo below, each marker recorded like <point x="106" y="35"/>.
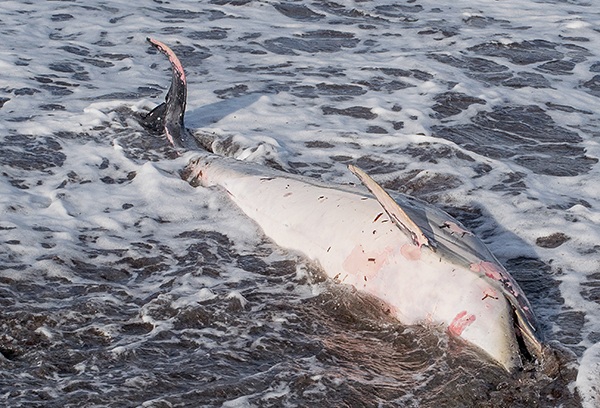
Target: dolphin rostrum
<point x="419" y="260"/>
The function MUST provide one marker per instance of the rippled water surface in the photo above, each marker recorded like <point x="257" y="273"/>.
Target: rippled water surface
<point x="121" y="285"/>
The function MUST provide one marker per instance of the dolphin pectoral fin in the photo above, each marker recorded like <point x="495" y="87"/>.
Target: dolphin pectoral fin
<point x="169" y="115"/>
<point x="392" y="208"/>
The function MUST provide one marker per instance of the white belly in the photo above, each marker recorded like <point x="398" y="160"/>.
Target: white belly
<point x="352" y="238"/>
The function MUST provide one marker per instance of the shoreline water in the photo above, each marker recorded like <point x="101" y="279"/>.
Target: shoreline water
<point x="111" y="287"/>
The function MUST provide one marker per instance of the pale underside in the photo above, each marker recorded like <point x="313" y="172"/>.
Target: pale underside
<point x="350" y="235"/>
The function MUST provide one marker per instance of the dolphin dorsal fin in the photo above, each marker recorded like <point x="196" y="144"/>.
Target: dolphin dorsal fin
<point x="392" y="208"/>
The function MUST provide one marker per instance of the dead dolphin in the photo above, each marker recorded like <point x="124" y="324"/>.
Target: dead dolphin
<point x="419" y="260"/>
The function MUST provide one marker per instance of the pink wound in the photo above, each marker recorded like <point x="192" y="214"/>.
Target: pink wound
<point x="460" y="323"/>
<point x="411" y="252"/>
<point x="489" y="269"/>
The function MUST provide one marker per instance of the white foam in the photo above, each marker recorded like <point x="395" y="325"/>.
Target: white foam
<point x="278" y="124"/>
<point x="588" y="377"/>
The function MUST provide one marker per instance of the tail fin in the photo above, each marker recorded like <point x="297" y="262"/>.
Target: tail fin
<point x="168" y="116"/>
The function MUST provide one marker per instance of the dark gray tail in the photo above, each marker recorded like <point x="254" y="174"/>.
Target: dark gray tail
<point x="168" y="116"/>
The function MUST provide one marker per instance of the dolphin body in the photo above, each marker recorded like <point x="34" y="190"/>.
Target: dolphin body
<point x="419" y="260"/>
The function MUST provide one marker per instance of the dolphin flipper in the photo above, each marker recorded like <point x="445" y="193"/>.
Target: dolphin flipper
<point x="168" y="116"/>
<point x="392" y="208"/>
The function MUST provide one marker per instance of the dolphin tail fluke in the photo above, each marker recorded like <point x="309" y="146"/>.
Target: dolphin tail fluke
<point x="155" y="119"/>
<point x="168" y="116"/>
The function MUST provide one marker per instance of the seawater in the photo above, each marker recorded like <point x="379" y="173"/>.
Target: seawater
<point x="121" y="285"/>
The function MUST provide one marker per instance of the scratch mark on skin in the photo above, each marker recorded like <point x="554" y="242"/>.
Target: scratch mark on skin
<point x="460" y="323"/>
<point x="456" y="229"/>
<point x="378" y="216"/>
<point x="287" y="194"/>
<point x="489" y="293"/>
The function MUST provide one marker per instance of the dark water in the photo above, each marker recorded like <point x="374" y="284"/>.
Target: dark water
<point x="106" y="301"/>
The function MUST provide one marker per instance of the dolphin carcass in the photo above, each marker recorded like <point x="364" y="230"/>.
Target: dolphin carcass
<point x="419" y="260"/>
